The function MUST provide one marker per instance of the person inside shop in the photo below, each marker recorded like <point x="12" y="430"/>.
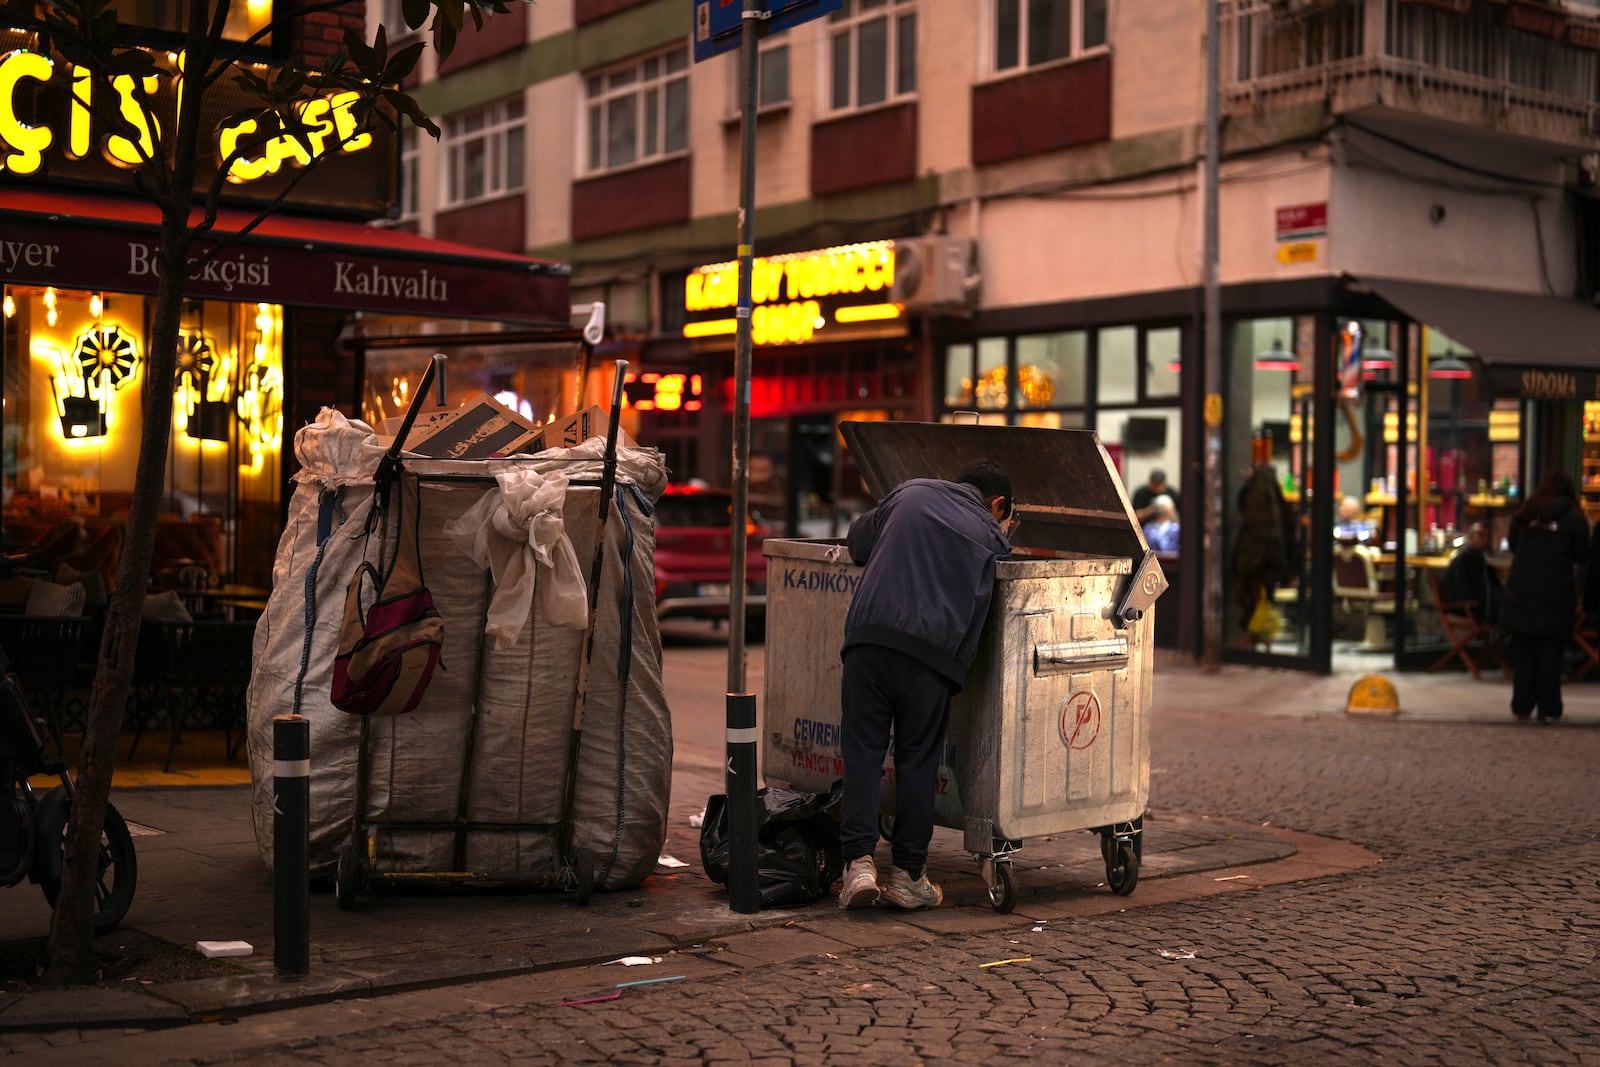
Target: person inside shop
<point x="1264" y="553"/>
<point x="1549" y="540"/>
<point x="1471" y="579"/>
<point x="1161" y="532"/>
<point x="1352" y="524"/>
<point x="910" y="636"/>
<point x="1144" y="496"/>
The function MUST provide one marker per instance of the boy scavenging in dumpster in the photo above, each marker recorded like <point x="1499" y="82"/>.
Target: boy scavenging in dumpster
<point x="910" y="637"/>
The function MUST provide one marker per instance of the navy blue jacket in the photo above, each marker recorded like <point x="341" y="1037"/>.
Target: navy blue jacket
<point x="929" y="548"/>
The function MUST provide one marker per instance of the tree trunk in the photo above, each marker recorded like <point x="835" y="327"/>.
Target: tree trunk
<point x="72" y="957"/>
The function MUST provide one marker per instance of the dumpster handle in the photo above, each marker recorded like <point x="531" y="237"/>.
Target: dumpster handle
<point x="1073" y="657"/>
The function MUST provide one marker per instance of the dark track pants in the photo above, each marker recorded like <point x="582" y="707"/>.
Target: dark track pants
<point x="885" y="690"/>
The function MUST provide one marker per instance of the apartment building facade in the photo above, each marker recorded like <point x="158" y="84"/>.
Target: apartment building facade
<point x="997" y="206"/>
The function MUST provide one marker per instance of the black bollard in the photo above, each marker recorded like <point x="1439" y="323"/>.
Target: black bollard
<point x="744" y="885"/>
<point x="291" y="830"/>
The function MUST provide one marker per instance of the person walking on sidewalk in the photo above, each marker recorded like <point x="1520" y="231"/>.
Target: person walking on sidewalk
<point x="910" y="637"/>
<point x="1549" y="539"/>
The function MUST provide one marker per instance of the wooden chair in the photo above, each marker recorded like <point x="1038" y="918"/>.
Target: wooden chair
<point x="1459" y="622"/>
<point x="44" y="652"/>
<point x="204" y="665"/>
<point x="1586" y="635"/>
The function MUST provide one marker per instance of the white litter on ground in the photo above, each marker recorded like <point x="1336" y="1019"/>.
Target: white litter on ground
<point x="670" y="861"/>
<point x="219" y="949"/>
<point x="634" y="961"/>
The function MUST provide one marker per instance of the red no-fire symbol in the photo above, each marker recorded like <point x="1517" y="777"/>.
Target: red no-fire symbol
<point x="1080" y="720"/>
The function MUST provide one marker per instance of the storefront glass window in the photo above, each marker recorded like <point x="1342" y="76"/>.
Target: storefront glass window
<point x="1118" y="365"/>
<point x="1269" y="427"/>
<point x="989" y="384"/>
<point x="1163" y="361"/>
<point x="75" y="375"/>
<point x="1052" y="369"/>
<point x="958" y="376"/>
<point x="536" y="380"/>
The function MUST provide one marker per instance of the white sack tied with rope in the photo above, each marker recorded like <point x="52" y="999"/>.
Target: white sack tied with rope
<point x="515" y="532"/>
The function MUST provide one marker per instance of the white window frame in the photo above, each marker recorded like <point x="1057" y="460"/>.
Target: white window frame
<point x="991" y="37"/>
<point x="770" y="46"/>
<point x="648" y="83"/>
<point x="849" y="21"/>
<point x="503" y="137"/>
<point x="410" y="198"/>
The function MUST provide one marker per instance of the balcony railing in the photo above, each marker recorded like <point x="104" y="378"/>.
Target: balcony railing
<point x="1466" y="66"/>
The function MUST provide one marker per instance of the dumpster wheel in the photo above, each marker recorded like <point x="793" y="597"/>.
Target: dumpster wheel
<point x="1122" y="848"/>
<point x="1001" y="883"/>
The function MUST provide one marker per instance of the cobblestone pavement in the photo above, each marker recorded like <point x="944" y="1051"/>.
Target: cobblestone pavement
<point x="1474" y="941"/>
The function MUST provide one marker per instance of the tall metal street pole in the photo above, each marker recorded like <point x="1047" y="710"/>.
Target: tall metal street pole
<point x="744" y="881"/>
<point x="1212" y="599"/>
<point x="749" y="71"/>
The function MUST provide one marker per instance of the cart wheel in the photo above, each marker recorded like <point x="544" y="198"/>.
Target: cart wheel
<point x="347" y="876"/>
<point x="1122" y="873"/>
<point x="118" y="868"/>
<point x="583" y="871"/>
<point x="1003" y="890"/>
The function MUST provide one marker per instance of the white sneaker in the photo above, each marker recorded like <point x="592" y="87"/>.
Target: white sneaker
<point x="860" y="887"/>
<point x="902" y="892"/>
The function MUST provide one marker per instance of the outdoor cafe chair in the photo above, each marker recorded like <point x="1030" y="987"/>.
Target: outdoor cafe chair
<point x="1459" y="622"/>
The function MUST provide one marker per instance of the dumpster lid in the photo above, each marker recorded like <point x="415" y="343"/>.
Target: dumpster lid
<point x="1068" y="494"/>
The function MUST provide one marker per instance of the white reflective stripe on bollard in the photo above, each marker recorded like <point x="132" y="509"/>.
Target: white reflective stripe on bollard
<point x="745" y="736"/>
<point x="291" y="768"/>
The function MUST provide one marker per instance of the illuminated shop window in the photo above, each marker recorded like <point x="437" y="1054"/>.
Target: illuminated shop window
<point x="245" y="17"/>
<point x="73" y="414"/>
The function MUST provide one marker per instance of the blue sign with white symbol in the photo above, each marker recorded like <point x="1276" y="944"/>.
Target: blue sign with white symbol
<point x="718" y="23"/>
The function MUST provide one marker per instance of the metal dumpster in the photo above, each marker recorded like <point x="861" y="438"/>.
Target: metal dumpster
<point x="1051" y="732"/>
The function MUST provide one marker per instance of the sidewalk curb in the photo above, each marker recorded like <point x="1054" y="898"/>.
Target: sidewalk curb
<point x="1271" y="856"/>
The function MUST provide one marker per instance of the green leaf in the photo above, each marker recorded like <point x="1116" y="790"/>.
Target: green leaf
<point x="415" y="12"/>
<point x="360" y="52"/>
<point x="444" y="38"/>
<point x="381" y="49"/>
<point x="404" y="62"/>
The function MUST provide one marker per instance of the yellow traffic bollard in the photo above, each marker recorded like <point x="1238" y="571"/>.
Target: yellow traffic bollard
<point x="1373" y="694"/>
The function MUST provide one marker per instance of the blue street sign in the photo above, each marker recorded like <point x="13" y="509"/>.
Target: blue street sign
<point x="718" y="23"/>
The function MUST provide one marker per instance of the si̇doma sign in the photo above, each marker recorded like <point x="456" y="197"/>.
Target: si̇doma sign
<point x="49" y="128"/>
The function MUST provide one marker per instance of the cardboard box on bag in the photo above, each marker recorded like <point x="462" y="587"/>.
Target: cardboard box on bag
<point x="569" y="431"/>
<point x="480" y="428"/>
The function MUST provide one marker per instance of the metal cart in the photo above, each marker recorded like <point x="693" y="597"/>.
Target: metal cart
<point x="1052" y="731"/>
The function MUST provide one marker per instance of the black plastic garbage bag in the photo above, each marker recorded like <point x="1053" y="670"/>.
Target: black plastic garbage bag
<point x="797" y="835"/>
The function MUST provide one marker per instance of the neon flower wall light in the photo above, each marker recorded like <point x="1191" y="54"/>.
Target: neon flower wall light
<point x="104" y="360"/>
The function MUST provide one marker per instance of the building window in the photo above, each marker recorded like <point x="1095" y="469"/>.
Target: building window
<point x="1028" y="33"/>
<point x="483" y="153"/>
<point x="872" y="53"/>
<point x="772" y="88"/>
<point x="639" y="112"/>
<point x="410" y="156"/>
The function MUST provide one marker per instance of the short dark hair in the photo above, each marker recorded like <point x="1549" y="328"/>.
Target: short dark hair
<point x="1158" y="475"/>
<point x="990" y="479"/>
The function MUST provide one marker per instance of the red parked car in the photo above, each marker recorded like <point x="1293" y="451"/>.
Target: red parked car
<point x="694" y="556"/>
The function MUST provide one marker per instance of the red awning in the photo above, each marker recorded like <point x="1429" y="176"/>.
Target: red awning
<point x="76" y="241"/>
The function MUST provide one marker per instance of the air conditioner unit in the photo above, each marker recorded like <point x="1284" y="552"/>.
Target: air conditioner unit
<point x="934" y="273"/>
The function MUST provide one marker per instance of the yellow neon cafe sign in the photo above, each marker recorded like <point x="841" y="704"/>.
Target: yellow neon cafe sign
<point x="330" y="124"/>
